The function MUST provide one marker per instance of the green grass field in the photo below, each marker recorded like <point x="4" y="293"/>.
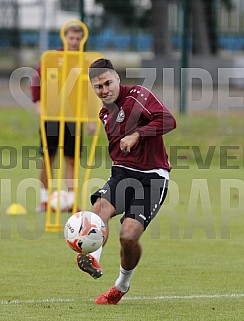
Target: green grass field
<point x="192" y="263"/>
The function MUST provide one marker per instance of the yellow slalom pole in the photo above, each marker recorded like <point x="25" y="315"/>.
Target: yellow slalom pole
<point x="89" y="165"/>
<point x="61" y="120"/>
<point x="85" y="33"/>
<point x="67" y="99"/>
<point x="79" y="101"/>
<point x="78" y="129"/>
<point x="45" y="147"/>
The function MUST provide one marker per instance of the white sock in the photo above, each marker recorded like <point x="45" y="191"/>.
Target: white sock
<point x="71" y="198"/>
<point x="123" y="281"/>
<point x="43" y="195"/>
<point x="97" y="254"/>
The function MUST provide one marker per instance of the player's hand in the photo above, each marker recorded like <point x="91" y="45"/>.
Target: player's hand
<point x="38" y="108"/>
<point x="91" y="127"/>
<point x="128" y="142"/>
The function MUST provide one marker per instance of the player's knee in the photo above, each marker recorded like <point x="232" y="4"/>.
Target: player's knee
<point x="104" y="209"/>
<point x="126" y="242"/>
<point x="131" y="231"/>
<point x="70" y="161"/>
<point x="128" y="238"/>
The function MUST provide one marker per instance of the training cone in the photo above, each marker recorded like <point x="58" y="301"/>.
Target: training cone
<point x="16" y="209"/>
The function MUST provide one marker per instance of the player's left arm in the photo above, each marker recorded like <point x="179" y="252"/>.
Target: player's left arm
<point x="158" y="119"/>
<point x="161" y="121"/>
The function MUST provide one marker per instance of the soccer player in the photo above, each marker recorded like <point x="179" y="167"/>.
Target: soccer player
<point x="134" y="121"/>
<point x="73" y="36"/>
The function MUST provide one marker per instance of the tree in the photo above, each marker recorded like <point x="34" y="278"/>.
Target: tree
<point x="200" y="36"/>
<point x="203" y="17"/>
<point x="160" y="27"/>
<point x="122" y="10"/>
<point x="156" y="17"/>
<point x="204" y="25"/>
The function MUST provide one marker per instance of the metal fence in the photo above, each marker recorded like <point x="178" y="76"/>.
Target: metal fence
<point x="22" y="21"/>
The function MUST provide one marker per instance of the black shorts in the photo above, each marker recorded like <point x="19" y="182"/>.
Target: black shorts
<point x="136" y="194"/>
<point x="52" y="134"/>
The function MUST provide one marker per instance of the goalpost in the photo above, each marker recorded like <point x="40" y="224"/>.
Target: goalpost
<point x="67" y="96"/>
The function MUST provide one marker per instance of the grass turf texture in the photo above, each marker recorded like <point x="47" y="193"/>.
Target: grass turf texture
<point x="190" y="265"/>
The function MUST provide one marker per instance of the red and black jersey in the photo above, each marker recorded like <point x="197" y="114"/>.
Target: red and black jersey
<point x="36" y="83"/>
<point x="138" y="110"/>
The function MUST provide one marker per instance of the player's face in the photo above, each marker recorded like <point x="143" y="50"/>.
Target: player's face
<point x="73" y="40"/>
<point x="107" y="86"/>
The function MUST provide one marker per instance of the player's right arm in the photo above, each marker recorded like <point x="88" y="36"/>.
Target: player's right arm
<point x="129" y="141"/>
<point x="38" y="107"/>
<point x="36" y="90"/>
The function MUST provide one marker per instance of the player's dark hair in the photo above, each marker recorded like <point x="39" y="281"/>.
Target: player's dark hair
<point x="100" y="66"/>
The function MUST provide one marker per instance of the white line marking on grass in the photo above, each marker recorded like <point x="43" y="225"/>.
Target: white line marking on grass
<point x="128" y="298"/>
<point x="201" y="296"/>
<point x="35" y="301"/>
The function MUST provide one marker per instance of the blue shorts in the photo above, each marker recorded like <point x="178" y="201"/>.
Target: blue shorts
<point x="136" y="194"/>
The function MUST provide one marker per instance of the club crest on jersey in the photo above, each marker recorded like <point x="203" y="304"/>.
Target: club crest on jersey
<point x="121" y="116"/>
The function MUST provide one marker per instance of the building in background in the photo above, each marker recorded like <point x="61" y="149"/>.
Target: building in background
<point x="32" y="26"/>
<point x="58" y="12"/>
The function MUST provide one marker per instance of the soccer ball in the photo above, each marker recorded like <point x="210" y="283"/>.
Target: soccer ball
<point x="59" y="198"/>
<point x="85" y="232"/>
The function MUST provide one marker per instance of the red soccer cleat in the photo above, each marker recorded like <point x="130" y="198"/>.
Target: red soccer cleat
<point x="88" y="264"/>
<point x="112" y="296"/>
